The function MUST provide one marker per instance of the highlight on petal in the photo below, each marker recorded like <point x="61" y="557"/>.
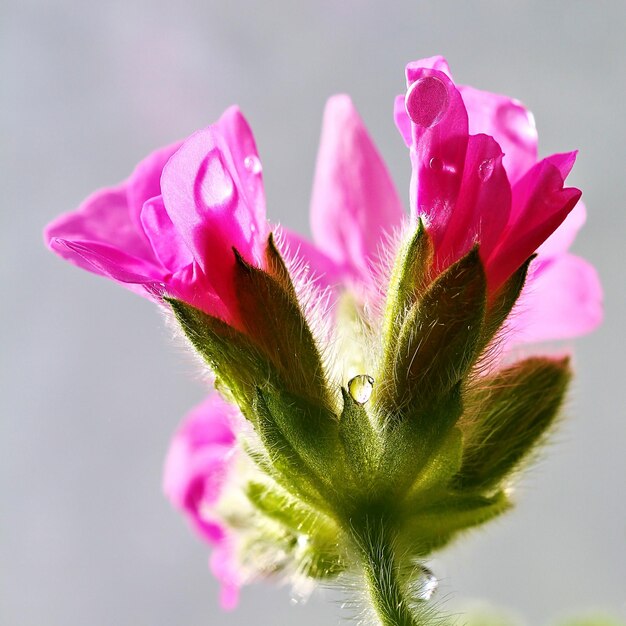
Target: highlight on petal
<point x="209" y="211"/>
<point x="562" y="300"/>
<point x="354" y="201"/>
<point x="562" y="238"/>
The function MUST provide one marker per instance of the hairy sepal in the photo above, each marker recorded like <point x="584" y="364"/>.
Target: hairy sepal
<point x="273" y="319"/>
<point x="507" y="416"/>
<point x="437" y="342"/>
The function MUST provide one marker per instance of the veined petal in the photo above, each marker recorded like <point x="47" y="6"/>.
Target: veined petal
<point x="145" y="181"/>
<point x="354" y="201"/>
<point x="482" y="209"/>
<point x="508" y="122"/>
<point x="539" y="205"/>
<point x="105" y="260"/>
<point x="203" y="196"/>
<point x="562" y="238"/>
<point x="167" y="244"/>
<point x="103" y="217"/>
<point x="562" y="300"/>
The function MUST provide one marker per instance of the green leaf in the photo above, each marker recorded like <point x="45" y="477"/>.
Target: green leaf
<point x="431" y="525"/>
<point x="274" y="320"/>
<point x="507" y="415"/>
<point x="438" y="340"/>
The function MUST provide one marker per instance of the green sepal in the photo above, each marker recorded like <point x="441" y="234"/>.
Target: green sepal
<point x="410" y="445"/>
<point x="361" y="442"/>
<point x="502" y="302"/>
<point x="507" y="415"/>
<point x="273" y="319"/>
<point x="438" y="340"/>
<point x="430" y="525"/>
<point x="288" y="511"/>
<point x="291" y="470"/>
<point x="316" y="535"/>
<point x="235" y="360"/>
<point x="409" y="276"/>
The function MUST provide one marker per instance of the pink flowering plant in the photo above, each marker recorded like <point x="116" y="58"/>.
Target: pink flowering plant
<point x="371" y="404"/>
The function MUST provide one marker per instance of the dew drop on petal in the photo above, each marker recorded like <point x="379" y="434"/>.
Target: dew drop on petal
<point x="253" y="164"/>
<point x="485" y="169"/>
<point x="214" y="183"/>
<point x="426" y="101"/>
<point x="360" y="388"/>
<point x="436" y="164"/>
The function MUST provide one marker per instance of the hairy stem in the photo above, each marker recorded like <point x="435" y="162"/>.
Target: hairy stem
<point x="382" y="575"/>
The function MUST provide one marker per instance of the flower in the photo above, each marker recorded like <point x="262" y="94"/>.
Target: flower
<point x="171" y="226"/>
<point x="197" y="468"/>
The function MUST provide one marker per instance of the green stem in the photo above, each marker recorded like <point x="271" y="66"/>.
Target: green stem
<point x="388" y="598"/>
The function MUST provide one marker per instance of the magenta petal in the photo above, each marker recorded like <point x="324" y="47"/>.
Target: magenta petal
<point x="439" y="144"/>
<point x="145" y="181"/>
<point x="539" y="205"/>
<point x="508" y="122"/>
<point x="245" y="165"/>
<point x="102" y="259"/>
<point x="224" y="567"/>
<point x="167" y="244"/>
<point x="354" y="201"/>
<point x="414" y="68"/>
<point x="562" y="300"/>
<point x="208" y="210"/>
<point x="103" y="217"/>
<point x="402" y="121"/>
<point x="482" y="209"/>
<point x="562" y="238"/>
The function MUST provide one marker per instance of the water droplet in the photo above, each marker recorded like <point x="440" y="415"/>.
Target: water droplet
<point x="436" y="164"/>
<point x="426" y="101"/>
<point x="425" y="585"/>
<point x="253" y="164"/>
<point x="214" y="184"/>
<point x="485" y="169"/>
<point x="360" y="388"/>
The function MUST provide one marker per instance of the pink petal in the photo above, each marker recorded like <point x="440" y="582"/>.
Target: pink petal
<point x="204" y="197"/>
<point x="482" y="208"/>
<point x="508" y="122"/>
<point x="198" y="462"/>
<point x="539" y="205"/>
<point x="321" y="268"/>
<point x="562" y="238"/>
<point x="105" y="260"/>
<point x="354" y="200"/>
<point x="167" y="244"/>
<point x="414" y="68"/>
<point x="103" y="217"/>
<point x="145" y="181"/>
<point x="439" y="143"/>
<point x="562" y="300"/>
<point x="224" y="567"/>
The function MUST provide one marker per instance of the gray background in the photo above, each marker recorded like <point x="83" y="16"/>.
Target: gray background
<point x="92" y="387"/>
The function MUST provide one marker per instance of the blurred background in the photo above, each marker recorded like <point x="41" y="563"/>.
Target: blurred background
<point x="92" y="386"/>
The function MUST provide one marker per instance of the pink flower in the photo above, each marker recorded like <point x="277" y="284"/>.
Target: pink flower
<point x="485" y="187"/>
<point x="170" y="227"/>
<point x="197" y="468"/>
